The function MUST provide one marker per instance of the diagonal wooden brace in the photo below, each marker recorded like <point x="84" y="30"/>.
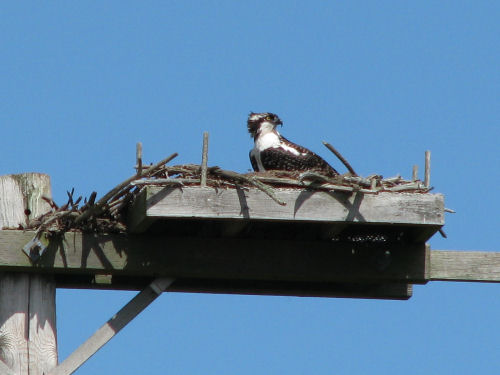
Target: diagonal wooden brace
<point x="112" y="327"/>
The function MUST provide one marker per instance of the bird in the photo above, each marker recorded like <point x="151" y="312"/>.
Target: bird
<point x="272" y="151"/>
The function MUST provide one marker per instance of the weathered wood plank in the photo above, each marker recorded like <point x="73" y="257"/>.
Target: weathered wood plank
<point x="302" y="205"/>
<point x="20" y="198"/>
<point x="219" y="258"/>
<point x="222" y="258"/>
<point x="465" y="266"/>
<point x="396" y="291"/>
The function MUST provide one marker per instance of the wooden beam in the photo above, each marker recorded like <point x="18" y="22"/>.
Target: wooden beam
<point x="112" y="327"/>
<point x="154" y="202"/>
<point x="396" y="291"/>
<point x="465" y="266"/>
<point x="21" y="198"/>
<point x="219" y="258"/>
<point x="27" y="300"/>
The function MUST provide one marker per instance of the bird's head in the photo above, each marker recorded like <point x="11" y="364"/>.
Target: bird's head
<point x="260" y="123"/>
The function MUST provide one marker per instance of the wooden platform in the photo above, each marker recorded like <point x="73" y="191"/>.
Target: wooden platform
<point x="241" y="241"/>
<point x="319" y="214"/>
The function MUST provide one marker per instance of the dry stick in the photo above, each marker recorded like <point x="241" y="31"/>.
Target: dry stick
<point x="322" y="187"/>
<point x="122" y="203"/>
<point x="427" y="179"/>
<point x="341" y="158"/>
<point x="204" y="160"/>
<point x="101" y="202"/>
<point x="52" y="219"/>
<point x="138" y="156"/>
<point x="166" y="181"/>
<point x="414" y="176"/>
<point x="252" y="181"/>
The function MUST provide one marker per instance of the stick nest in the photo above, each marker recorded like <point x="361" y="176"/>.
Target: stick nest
<point x="108" y="215"/>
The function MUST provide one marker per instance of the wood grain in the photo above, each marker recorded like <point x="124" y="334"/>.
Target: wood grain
<point x="27" y="300"/>
<point x="465" y="266"/>
<point x="21" y="192"/>
<point x="220" y="258"/>
<point x="302" y="205"/>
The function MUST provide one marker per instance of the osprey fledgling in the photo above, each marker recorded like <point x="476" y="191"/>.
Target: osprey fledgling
<point x="273" y="151"/>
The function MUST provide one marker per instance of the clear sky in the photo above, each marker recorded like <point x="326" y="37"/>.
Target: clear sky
<point x="383" y="81"/>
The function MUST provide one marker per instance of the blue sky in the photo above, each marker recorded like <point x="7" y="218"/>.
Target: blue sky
<point x="82" y="82"/>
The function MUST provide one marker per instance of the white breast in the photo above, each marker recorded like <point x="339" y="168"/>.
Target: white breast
<point x="267" y="140"/>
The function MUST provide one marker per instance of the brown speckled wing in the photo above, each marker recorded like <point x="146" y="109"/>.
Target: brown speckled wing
<point x="281" y="159"/>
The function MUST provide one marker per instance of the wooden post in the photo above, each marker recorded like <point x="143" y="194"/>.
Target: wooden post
<point x="204" y="160"/>
<point x="27" y="302"/>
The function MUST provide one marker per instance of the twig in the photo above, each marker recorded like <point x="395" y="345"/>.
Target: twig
<point x="393" y="180"/>
<point x="100" y="204"/>
<point x="166" y="181"/>
<point x="121" y="203"/>
<point x="249" y="180"/>
<point x="310" y="175"/>
<point x="149" y="172"/>
<point x="358" y="180"/>
<point x="427" y="179"/>
<point x="414" y="175"/>
<point x="53" y="218"/>
<point x="52" y="204"/>
<point x="204" y="160"/>
<point x="408" y="186"/>
<point x="341" y="158"/>
<point x="138" y="156"/>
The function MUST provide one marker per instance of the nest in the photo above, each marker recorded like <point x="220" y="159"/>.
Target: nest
<point x="108" y="215"/>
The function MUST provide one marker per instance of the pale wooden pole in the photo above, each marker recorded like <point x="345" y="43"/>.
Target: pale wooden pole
<point x="28" y="343"/>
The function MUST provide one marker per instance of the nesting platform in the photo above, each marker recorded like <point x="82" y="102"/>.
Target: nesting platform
<point x="239" y="240"/>
<point x="317" y="244"/>
<point x="414" y="216"/>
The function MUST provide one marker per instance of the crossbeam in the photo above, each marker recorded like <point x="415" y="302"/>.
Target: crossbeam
<point x="481" y="266"/>
<point x="256" y="266"/>
<point x="112" y="327"/>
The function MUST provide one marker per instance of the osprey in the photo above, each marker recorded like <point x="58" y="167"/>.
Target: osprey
<point x="273" y="151"/>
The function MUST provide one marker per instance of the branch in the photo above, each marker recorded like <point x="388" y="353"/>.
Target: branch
<point x="249" y="180"/>
<point x="99" y="206"/>
<point x="341" y="158"/>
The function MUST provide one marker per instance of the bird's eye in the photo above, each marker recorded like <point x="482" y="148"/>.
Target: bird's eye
<point x="269" y="118"/>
